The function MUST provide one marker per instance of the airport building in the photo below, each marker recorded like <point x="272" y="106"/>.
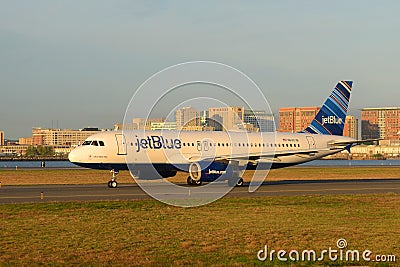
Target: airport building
<point x="383" y="123"/>
<point x="164" y="126"/>
<point x="260" y="120"/>
<point x="351" y="127"/>
<point x="61" y="138"/>
<point x="296" y="119"/>
<point x="226" y="118"/>
<point x="25" y="141"/>
<point x="13" y="150"/>
<point x="366" y="152"/>
<point x="138" y="124"/>
<point x="2" y="138"/>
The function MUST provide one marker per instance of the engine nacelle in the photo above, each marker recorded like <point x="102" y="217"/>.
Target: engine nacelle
<point x="210" y="171"/>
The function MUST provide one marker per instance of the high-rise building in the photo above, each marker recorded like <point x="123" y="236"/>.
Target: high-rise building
<point x="296" y="119"/>
<point x="2" y="138"/>
<point x="187" y="117"/>
<point x="226" y="118"/>
<point x="383" y="123"/>
<point x="351" y="127"/>
<point x="260" y="119"/>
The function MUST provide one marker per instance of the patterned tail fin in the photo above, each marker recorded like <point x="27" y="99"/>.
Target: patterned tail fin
<point x="332" y="115"/>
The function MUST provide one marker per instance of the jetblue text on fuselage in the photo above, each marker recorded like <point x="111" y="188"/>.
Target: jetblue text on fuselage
<point x="157" y="142"/>
<point x="331" y="120"/>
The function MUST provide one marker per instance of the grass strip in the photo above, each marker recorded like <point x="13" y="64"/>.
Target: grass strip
<point x="226" y="232"/>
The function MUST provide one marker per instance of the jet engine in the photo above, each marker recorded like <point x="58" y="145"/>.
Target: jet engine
<point x="209" y="171"/>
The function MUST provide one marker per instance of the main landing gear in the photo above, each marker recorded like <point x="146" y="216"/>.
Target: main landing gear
<point x="238" y="181"/>
<point x="190" y="181"/>
<point x="113" y="182"/>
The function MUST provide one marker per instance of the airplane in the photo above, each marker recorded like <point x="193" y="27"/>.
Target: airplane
<point x="210" y="155"/>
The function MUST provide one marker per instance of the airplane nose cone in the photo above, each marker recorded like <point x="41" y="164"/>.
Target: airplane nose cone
<point x="72" y="156"/>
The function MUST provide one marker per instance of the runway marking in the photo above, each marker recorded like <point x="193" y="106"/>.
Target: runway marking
<point x="232" y="192"/>
<point x="50" y="196"/>
<point x="329" y="189"/>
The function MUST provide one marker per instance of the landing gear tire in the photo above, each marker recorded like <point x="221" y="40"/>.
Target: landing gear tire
<point x="197" y="182"/>
<point x="112" y="184"/>
<point x="190" y="181"/>
<point x="239" y="182"/>
<point x="235" y="182"/>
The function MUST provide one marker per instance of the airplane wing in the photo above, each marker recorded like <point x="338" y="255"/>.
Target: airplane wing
<point x="257" y="156"/>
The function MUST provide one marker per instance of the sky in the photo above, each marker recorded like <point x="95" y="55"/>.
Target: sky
<point x="79" y="63"/>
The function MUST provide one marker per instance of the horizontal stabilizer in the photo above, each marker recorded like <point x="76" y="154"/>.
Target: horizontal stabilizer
<point x="354" y="142"/>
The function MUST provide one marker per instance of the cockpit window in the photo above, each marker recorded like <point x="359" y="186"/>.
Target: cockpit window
<point x="93" y="143"/>
<point x="86" y="143"/>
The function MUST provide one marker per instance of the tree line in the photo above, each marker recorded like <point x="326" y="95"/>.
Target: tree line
<point x="32" y="151"/>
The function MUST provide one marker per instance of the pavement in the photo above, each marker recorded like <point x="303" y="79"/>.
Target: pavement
<point x="100" y="192"/>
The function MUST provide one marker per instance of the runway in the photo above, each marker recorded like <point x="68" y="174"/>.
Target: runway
<point x="100" y="192"/>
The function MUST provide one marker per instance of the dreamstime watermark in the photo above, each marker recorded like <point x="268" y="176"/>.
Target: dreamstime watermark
<point x="339" y="253"/>
<point x="164" y="152"/>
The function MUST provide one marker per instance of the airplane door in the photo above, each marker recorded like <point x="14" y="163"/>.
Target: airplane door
<point x="311" y="142"/>
<point x="121" y="144"/>
<point x="205" y="145"/>
<point x="202" y="146"/>
<point x="199" y="146"/>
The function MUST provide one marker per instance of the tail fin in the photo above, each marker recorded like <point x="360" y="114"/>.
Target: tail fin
<point x="332" y="115"/>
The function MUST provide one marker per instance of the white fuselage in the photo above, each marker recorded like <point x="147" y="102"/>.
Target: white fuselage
<point x="116" y="149"/>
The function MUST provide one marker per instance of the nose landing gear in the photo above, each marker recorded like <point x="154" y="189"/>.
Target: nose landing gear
<point x="113" y="182"/>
